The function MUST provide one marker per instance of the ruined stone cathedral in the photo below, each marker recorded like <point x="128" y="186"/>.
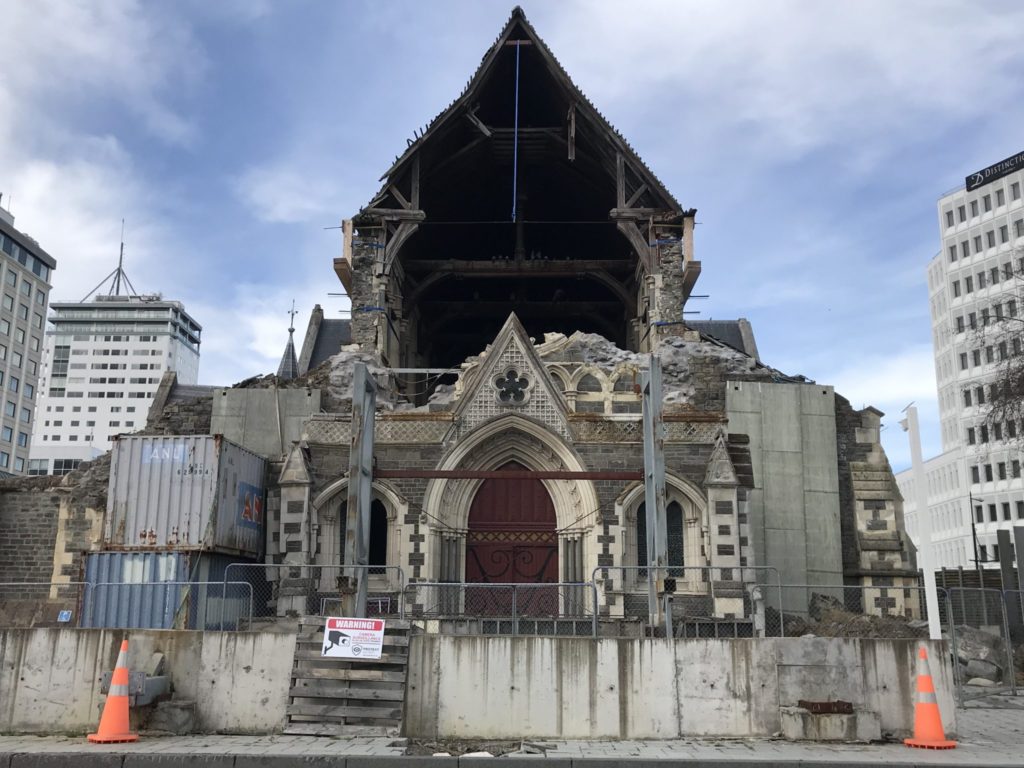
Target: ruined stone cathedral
<point x="507" y="282"/>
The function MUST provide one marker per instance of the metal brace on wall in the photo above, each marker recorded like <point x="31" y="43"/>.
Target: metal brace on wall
<point x="360" y="491"/>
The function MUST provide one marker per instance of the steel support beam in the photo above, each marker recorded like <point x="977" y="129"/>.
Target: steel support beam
<point x="525" y="474"/>
<point x="360" y="492"/>
<point x="654" y="488"/>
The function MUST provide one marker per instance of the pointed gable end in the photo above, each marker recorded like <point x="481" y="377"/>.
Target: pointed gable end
<point x="720" y="468"/>
<point x="512" y="379"/>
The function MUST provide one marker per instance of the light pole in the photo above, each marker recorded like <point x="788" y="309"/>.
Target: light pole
<point x="977" y="562"/>
<point x="931" y="595"/>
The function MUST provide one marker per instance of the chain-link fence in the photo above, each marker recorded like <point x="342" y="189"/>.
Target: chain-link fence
<point x="982" y="641"/>
<point x="39" y="604"/>
<point x="200" y="605"/>
<point x="514" y="609"/>
<point x="310" y="590"/>
<point x="698" y="601"/>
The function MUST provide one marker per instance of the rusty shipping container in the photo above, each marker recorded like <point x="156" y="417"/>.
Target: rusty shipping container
<point x="187" y="493"/>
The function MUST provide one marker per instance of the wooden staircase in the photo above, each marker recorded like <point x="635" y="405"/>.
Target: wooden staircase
<point x="343" y="697"/>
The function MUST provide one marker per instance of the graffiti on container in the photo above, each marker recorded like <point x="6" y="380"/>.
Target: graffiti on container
<point x="250" y="506"/>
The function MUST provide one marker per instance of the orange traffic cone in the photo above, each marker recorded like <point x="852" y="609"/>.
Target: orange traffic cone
<point x="114" y="720"/>
<point x="928" y="733"/>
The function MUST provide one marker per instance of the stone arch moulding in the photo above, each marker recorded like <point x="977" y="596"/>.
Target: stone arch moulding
<point x="330" y="527"/>
<point x="507" y="438"/>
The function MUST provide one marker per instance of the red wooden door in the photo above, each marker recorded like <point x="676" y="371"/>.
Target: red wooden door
<point x="512" y="539"/>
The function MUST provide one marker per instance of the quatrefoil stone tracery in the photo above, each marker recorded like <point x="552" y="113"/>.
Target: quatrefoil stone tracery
<point x="512" y="388"/>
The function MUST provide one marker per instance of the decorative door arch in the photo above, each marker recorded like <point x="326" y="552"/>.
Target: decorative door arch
<point x="512" y="538"/>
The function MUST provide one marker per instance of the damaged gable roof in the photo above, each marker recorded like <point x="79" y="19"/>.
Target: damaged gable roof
<point x="518" y="20"/>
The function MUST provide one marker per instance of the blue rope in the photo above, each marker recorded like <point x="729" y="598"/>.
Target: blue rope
<point x="515" y="140"/>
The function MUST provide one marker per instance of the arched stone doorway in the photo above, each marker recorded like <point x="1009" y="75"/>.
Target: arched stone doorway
<point x="512" y="535"/>
<point x="512" y="539"/>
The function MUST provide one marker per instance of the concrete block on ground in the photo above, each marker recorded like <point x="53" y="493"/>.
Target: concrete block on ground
<point x="800" y="725"/>
<point x="177" y="716"/>
<point x="63" y="759"/>
<point x="399" y="761"/>
<point x="154" y="760"/>
<point x="290" y="761"/>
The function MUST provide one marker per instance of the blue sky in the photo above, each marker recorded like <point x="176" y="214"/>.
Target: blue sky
<point x="813" y="138"/>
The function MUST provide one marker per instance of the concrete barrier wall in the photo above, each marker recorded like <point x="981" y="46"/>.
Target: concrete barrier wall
<point x="505" y="687"/>
<point x="50" y="678"/>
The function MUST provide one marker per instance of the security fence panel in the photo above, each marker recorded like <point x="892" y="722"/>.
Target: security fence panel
<point x="981" y="642"/>
<point x="700" y="601"/>
<point x="310" y="590"/>
<point x="204" y="605"/>
<point x="517" y="608"/>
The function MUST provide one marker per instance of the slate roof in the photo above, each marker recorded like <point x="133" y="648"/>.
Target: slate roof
<point x="330" y="338"/>
<point x="726" y="331"/>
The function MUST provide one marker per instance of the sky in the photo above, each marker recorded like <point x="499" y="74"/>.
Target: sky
<point x="232" y="137"/>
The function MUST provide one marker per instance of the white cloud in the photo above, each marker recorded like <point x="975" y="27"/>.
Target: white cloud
<point x="783" y="77"/>
<point x="245" y="333"/>
<point x="288" y="193"/>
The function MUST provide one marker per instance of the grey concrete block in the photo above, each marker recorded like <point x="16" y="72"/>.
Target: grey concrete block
<point x="399" y="761"/>
<point x="290" y="761"/>
<point x="143" y="760"/>
<point x="61" y="760"/>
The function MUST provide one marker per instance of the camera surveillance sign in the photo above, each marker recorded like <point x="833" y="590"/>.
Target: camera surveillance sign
<point x="353" y="638"/>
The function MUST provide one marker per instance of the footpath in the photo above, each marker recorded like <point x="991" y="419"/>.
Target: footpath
<point x="989" y="737"/>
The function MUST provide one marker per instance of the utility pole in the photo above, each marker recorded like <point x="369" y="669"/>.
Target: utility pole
<point x="931" y="595"/>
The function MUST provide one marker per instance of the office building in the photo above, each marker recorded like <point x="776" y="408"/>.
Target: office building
<point x="103" y="363"/>
<point x="25" y="270"/>
<point x="977" y="313"/>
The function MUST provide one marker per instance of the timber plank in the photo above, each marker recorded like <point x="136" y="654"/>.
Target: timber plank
<point x="385" y="658"/>
<point x="335" y="673"/>
<point x="328" y="710"/>
<point x="317" y="638"/>
<point x="319" y="689"/>
<point x="311" y="728"/>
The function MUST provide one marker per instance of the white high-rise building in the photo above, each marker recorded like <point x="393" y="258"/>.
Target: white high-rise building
<point x="104" y="360"/>
<point x="975" y="487"/>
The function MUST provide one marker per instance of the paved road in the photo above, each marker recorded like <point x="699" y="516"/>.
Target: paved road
<point x="991" y="737"/>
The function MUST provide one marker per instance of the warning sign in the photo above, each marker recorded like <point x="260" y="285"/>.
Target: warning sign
<point x="353" y="638"/>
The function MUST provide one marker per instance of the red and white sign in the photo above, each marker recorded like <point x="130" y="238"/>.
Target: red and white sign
<point x="353" y="638"/>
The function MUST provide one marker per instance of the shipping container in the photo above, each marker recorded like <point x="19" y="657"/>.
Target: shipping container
<point x="168" y="590"/>
<point x="187" y="493"/>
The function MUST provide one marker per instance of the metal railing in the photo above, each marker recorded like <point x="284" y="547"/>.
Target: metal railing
<point x="708" y="595"/>
<point x="315" y="589"/>
<point x="198" y="605"/>
<point x="982" y="645"/>
<point x="545" y="608"/>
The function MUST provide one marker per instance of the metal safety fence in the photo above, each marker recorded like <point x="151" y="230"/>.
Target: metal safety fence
<point x="292" y="590"/>
<point x="521" y="608"/>
<point x="697" y="601"/>
<point x="198" y="605"/>
<point x="981" y="640"/>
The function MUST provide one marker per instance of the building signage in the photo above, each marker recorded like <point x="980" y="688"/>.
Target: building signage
<point x="353" y="638"/>
<point x="997" y="171"/>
